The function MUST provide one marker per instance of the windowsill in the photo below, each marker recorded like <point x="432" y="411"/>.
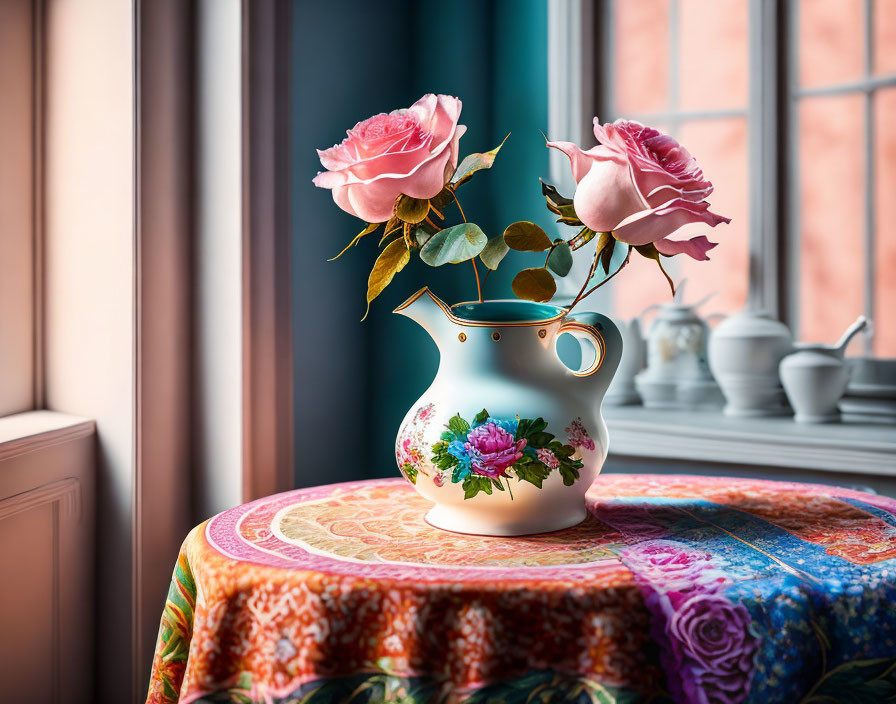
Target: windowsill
<point x="35" y="430"/>
<point x="709" y="436"/>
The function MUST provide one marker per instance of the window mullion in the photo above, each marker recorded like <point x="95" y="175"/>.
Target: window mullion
<point x="764" y="120"/>
<point x="869" y="200"/>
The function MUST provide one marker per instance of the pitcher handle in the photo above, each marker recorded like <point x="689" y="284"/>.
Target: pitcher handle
<point x="603" y="334"/>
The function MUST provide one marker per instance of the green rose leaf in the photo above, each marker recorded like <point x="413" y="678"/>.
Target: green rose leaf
<point x="392" y="260"/>
<point x="473" y="484"/>
<point x="525" y="236"/>
<point x="526" y="426"/>
<point x="560" y="259"/>
<point x="480" y="417"/>
<point x="649" y="251"/>
<point x="857" y="681"/>
<point x="533" y="472"/>
<point x="560" y="205"/>
<point x="583" y="237"/>
<point x="454" y="245"/>
<point x="473" y="163"/>
<point x="366" y="231"/>
<point x="459" y="427"/>
<point x="494" y="252"/>
<point x="570" y="472"/>
<point x="442" y="199"/>
<point x="496" y="482"/>
<point x="606" y="252"/>
<point x="410" y="472"/>
<point x="534" y="285"/>
<point x="412" y="210"/>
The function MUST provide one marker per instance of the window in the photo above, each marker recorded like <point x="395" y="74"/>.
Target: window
<point x="785" y="106"/>
<point x="17" y="207"/>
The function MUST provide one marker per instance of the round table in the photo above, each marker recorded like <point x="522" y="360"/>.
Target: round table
<point x="676" y="588"/>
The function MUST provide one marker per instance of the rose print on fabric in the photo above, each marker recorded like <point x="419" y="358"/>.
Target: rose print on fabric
<point x="707" y="644"/>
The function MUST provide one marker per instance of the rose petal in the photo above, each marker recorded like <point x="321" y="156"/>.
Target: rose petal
<point x="657" y="223"/>
<point x="695" y="248"/>
<point x="606" y="196"/>
<point x="579" y="160"/>
<point x="373" y="202"/>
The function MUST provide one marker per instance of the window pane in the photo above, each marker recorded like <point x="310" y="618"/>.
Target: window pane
<point x="713" y="51"/>
<point x="884" y="36"/>
<point x="831" y="196"/>
<point x="720" y="147"/>
<point x="885" y="218"/>
<point x="830" y="41"/>
<point x="641" y="67"/>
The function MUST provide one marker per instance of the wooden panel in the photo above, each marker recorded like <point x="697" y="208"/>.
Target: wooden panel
<point x="27" y="544"/>
<point x="47" y="563"/>
<point x="16" y="207"/>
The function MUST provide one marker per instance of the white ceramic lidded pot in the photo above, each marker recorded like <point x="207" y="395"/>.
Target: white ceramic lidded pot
<point x="744" y="353"/>
<point x="507" y="439"/>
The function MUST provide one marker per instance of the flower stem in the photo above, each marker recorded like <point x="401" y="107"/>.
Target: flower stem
<point x="478" y="283"/>
<point x="459" y="206"/>
<point x="597" y="286"/>
<point x="473" y="260"/>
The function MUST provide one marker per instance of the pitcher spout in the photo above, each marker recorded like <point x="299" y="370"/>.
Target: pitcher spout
<point x="428" y="310"/>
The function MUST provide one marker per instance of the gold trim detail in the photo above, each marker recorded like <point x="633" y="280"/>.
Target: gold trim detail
<point x="496" y="336"/>
<point x="542" y="333"/>
<point x="446" y="309"/>
<point x="596" y="338"/>
<point x="462" y="337"/>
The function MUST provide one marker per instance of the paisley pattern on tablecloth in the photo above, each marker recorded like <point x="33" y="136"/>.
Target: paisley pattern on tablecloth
<point x="687" y="589"/>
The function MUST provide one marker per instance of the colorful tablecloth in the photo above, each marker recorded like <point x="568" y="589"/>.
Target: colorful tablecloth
<point x="677" y="588"/>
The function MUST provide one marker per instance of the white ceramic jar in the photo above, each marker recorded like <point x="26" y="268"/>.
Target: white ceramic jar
<point x="744" y="353"/>
<point x="815" y="378"/>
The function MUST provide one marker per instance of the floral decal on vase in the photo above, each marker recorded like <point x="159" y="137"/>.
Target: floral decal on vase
<point x="483" y="455"/>
<point x="407" y="452"/>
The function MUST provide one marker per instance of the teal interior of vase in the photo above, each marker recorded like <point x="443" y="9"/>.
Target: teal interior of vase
<point x="506" y="311"/>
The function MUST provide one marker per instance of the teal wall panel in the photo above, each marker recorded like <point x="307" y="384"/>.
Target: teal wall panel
<point x="350" y="59"/>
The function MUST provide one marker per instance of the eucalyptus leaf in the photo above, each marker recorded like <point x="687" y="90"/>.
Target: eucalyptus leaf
<point x="649" y="251"/>
<point x="412" y="210"/>
<point x="475" y="162"/>
<point x="392" y="260"/>
<point x="534" y="285"/>
<point x="560" y="259"/>
<point x="454" y="245"/>
<point x="366" y="231"/>
<point x="525" y="236"/>
<point x="494" y="252"/>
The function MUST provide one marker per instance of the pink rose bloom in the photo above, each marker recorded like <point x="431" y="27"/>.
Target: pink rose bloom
<point x="492" y="449"/>
<point x="642" y="186"/>
<point x="669" y="566"/>
<point x="384" y="156"/>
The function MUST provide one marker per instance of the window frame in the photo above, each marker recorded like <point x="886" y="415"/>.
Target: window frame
<point x="773" y="159"/>
<point x="21" y="387"/>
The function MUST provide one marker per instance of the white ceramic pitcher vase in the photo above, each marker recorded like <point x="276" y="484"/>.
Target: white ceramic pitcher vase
<point x="507" y="439"/>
